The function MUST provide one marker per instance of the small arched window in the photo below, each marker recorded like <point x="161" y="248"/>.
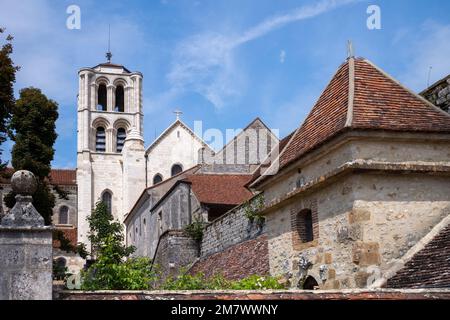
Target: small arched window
<point x="100" y="140"/>
<point x="157" y="178"/>
<point x="176" y="169"/>
<point x="120" y="99"/>
<point x="107" y="199"/>
<point x="101" y="98"/>
<point x="63" y="215"/>
<point x="121" y="136"/>
<point x="310" y="283"/>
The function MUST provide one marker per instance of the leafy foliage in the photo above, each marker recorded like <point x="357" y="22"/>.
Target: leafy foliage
<point x="33" y="124"/>
<point x="256" y="282"/>
<point x="195" y="229"/>
<point x="252" y="209"/>
<point x="111" y="270"/>
<point x="108" y="274"/>
<point x="7" y="79"/>
<point x="106" y="235"/>
<point x="198" y="281"/>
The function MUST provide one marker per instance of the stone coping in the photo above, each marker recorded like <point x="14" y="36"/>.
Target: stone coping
<point x="25" y="229"/>
<point x="347" y="294"/>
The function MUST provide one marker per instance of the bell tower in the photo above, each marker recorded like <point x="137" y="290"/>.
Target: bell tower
<point x="110" y="139"/>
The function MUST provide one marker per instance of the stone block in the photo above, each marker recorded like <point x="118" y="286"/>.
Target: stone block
<point x="366" y="253"/>
<point x="358" y="215"/>
<point x="328" y="258"/>
<point x="361" y="279"/>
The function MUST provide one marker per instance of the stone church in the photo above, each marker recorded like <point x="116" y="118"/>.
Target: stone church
<point x="357" y="196"/>
<point x="112" y="164"/>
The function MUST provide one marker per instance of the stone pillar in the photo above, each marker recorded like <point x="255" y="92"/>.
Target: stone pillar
<point x="25" y="246"/>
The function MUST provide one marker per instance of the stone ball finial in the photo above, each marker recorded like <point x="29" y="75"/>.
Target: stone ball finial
<point x="23" y="182"/>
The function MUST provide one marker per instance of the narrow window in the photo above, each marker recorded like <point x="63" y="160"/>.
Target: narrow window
<point x="121" y="136"/>
<point x="157" y="178"/>
<point x="107" y="199"/>
<point x="101" y="100"/>
<point x="63" y="215"/>
<point x="120" y="100"/>
<point x="100" y="140"/>
<point x="305" y="226"/>
<point x="176" y="169"/>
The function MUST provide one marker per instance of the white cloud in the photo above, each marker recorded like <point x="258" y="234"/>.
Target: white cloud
<point x="206" y="63"/>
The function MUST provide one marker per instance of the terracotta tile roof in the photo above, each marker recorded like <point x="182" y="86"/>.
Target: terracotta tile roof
<point x="63" y="177"/>
<point x="220" y="189"/>
<point x="428" y="268"/>
<point x="361" y="96"/>
<point x="58" y="176"/>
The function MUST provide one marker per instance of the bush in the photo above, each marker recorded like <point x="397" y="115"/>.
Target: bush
<point x="256" y="282"/>
<point x="218" y="282"/>
<point x="132" y="274"/>
<point x="252" y="210"/>
<point x="112" y="270"/>
<point x="195" y="229"/>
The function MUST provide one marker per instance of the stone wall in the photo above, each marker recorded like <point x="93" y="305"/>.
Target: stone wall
<point x="175" y="251"/>
<point x="236" y="262"/>
<point x="431" y="294"/>
<point x="439" y="94"/>
<point x="228" y="230"/>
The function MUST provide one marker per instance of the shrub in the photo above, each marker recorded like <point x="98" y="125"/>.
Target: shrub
<point x="252" y="210"/>
<point x="195" y="229"/>
<point x="111" y="270"/>
<point x="108" y="274"/>
<point x="218" y="282"/>
<point x="256" y="282"/>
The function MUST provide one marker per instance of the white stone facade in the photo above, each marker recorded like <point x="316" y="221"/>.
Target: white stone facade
<point x="107" y="162"/>
<point x="176" y="146"/>
<point x="102" y="165"/>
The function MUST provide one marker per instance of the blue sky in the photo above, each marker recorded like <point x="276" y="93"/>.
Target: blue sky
<point x="222" y="62"/>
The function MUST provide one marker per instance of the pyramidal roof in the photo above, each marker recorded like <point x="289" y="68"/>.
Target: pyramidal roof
<point x="362" y="96"/>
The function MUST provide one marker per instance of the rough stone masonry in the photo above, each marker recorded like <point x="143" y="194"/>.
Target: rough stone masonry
<point x="25" y="246"/>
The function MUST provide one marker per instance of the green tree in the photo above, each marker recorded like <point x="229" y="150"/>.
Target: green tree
<point x="105" y="230"/>
<point x="33" y="131"/>
<point x="7" y="79"/>
<point x="113" y="268"/>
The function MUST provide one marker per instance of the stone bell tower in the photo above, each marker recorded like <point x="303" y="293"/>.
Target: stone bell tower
<point x="110" y="155"/>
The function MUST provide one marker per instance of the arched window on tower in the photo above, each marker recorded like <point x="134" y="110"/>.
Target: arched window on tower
<point x="157" y="178"/>
<point x="101" y="98"/>
<point x="63" y="215"/>
<point x="176" y="169"/>
<point x="107" y="201"/>
<point x="120" y="99"/>
<point x="121" y="136"/>
<point x="100" y="140"/>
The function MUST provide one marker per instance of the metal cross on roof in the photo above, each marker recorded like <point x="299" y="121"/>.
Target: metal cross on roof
<point x="178" y="113"/>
